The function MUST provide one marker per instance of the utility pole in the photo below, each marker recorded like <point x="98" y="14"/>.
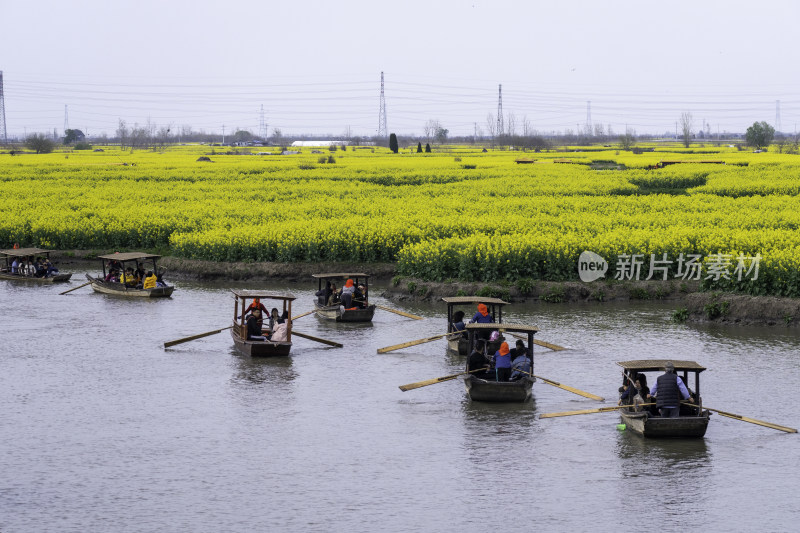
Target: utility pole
<point x="66" y="119"/>
<point x="500" y="122"/>
<point x="262" y="125"/>
<point x="382" y="128"/>
<point x="3" y="132"/>
<point x="223" y="134"/>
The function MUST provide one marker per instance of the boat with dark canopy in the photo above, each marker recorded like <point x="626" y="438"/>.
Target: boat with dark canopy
<point x="483" y="387"/>
<point x="460" y="344"/>
<point x="691" y="422"/>
<point x="25" y="253"/>
<point x="361" y="310"/>
<point x="259" y="348"/>
<point x="133" y="260"/>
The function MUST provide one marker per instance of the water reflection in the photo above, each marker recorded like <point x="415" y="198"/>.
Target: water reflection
<point x="249" y="371"/>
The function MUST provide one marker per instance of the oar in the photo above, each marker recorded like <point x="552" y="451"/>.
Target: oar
<point x="591" y="411"/>
<point x="194" y="337"/>
<point x="746" y="419"/>
<point x="75" y="288"/>
<point x="414" y="343"/>
<point x="433" y="381"/>
<point x="565" y="387"/>
<point x="304" y="314"/>
<point x="554" y="347"/>
<point x="409" y="315"/>
<point x="317" y="339"/>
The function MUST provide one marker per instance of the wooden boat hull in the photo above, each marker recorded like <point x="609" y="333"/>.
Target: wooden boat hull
<point x="334" y="312"/>
<point x="118" y="289"/>
<point x="58" y="278"/>
<point x="483" y="390"/>
<point x="682" y="427"/>
<point x="260" y="348"/>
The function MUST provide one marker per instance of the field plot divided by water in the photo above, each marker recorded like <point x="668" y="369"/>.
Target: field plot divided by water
<point x="434" y="214"/>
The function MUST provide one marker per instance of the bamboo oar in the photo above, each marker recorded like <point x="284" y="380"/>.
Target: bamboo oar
<point x="414" y="343"/>
<point x="317" y="339"/>
<point x="409" y="315"/>
<point x="565" y="387"/>
<point x="75" y="288"/>
<point x="746" y="419"/>
<point x="554" y="347"/>
<point x="591" y="411"/>
<point x="304" y="314"/>
<point x="433" y="381"/>
<point x="194" y="337"/>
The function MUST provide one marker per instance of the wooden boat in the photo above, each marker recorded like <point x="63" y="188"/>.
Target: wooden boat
<point x="119" y="260"/>
<point x="361" y="312"/>
<point x="691" y="423"/>
<point x="484" y="387"/>
<point x="257" y="348"/>
<point x="24" y="253"/>
<point x="461" y="344"/>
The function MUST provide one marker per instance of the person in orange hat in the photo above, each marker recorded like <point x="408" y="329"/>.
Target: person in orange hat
<point x="502" y="362"/>
<point x="482" y="316"/>
<point x="347" y="294"/>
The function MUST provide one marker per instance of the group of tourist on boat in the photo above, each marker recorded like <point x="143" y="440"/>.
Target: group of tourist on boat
<point x="40" y="267"/>
<point x="504" y="365"/>
<point x="662" y="400"/>
<point x="29" y="264"/>
<point x="256" y="323"/>
<point x="137" y="278"/>
<point x="350" y="296"/>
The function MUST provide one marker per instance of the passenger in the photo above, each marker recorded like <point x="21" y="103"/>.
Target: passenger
<point x="636" y="393"/>
<point x="477" y="359"/>
<point x="50" y="268"/>
<point x="39" y="268"/>
<point x="458" y="323"/>
<point x="149" y="280"/>
<point x="347" y="294"/>
<point x="502" y="362"/>
<point x="254" y="326"/>
<point x="360" y="296"/>
<point x="15" y="266"/>
<point x="333" y="299"/>
<point x="482" y="316"/>
<point x="160" y="280"/>
<point x="275" y="318"/>
<point x="280" y="334"/>
<point x="323" y="294"/>
<point x="128" y="278"/>
<point x="668" y="391"/>
<point x="139" y="273"/>
<point x="112" y="275"/>
<point x="521" y="364"/>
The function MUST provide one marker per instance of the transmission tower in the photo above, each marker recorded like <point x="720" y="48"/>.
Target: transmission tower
<point x="382" y="129"/>
<point x="3" y="132"/>
<point x="500" y="123"/>
<point x="262" y="125"/>
<point x="66" y="119"/>
<point x="588" y="117"/>
<point x="777" y="116"/>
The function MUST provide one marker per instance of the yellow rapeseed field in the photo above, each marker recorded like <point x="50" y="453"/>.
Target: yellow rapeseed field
<point x="458" y="213"/>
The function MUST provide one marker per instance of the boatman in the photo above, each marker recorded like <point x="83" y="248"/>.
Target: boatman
<point x="668" y="391"/>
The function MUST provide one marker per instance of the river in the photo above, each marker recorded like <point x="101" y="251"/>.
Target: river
<point x="105" y="430"/>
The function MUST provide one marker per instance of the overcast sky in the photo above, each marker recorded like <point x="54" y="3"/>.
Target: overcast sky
<point x="315" y="66"/>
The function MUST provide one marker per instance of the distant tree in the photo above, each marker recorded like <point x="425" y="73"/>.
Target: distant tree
<point x="627" y="141"/>
<point x="71" y="136"/>
<point x="39" y="143"/>
<point x="759" y="135"/>
<point x="277" y="136"/>
<point x="441" y="135"/>
<point x="419" y="147"/>
<point x="242" y="136"/>
<point x="427" y="148"/>
<point x="393" y="143"/>
<point x="686" y="128"/>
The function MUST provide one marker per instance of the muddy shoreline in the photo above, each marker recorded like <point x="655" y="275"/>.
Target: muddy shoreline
<point x="690" y="303"/>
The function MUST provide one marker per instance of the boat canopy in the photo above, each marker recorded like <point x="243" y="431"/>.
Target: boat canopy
<point x="24" y="252"/>
<point x="473" y="300"/>
<point x="650" y="365"/>
<point x="519" y="328"/>
<point x="340" y="275"/>
<point x="128" y="256"/>
<point x="263" y="294"/>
